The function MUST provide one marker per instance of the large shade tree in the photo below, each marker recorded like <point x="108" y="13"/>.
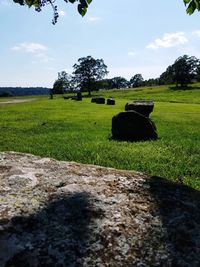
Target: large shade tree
<point x="82" y="5"/>
<point x="87" y="71"/>
<point x="182" y="72"/>
<point x="136" y="80"/>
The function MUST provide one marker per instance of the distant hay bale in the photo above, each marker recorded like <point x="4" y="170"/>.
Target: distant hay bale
<point x="110" y="101"/>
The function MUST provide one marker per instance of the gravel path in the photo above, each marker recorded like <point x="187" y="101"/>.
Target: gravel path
<point x="16" y="101"/>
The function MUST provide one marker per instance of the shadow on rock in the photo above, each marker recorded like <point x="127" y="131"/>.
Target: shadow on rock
<point x="58" y="235"/>
<point x="179" y="208"/>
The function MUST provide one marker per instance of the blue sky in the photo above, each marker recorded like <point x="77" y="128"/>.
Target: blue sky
<point x="134" y="37"/>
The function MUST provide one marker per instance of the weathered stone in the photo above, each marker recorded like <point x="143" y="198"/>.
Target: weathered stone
<point x="110" y="101"/>
<point x="133" y="126"/>
<point x="61" y="214"/>
<point x="142" y="107"/>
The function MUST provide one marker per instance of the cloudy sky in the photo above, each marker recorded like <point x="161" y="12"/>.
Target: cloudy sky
<point x="130" y="36"/>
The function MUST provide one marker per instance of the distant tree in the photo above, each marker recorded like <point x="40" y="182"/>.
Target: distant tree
<point x="119" y="82"/>
<point x="88" y="71"/>
<point x="136" y="80"/>
<point x="58" y="87"/>
<point x="63" y="83"/>
<point x="197" y="77"/>
<point x="151" y="82"/>
<point x="184" y="70"/>
<point x="167" y="77"/>
<point x="68" y="82"/>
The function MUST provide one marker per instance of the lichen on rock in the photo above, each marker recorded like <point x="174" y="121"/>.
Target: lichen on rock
<point x="56" y="213"/>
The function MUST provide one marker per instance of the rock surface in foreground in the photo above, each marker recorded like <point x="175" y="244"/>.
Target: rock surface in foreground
<point x="64" y="214"/>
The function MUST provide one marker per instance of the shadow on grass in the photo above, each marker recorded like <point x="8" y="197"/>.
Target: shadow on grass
<point x="58" y="235"/>
<point x="179" y="208"/>
<point x="183" y="88"/>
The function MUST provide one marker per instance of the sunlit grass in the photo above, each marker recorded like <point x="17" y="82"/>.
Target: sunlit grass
<point x="80" y="131"/>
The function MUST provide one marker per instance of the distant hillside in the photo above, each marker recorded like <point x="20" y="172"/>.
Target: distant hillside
<point x="23" y="91"/>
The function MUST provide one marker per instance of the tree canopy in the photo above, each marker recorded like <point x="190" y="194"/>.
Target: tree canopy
<point x="136" y="80"/>
<point x="182" y="72"/>
<point x="192" y="5"/>
<point x="87" y="71"/>
<point x="82" y="5"/>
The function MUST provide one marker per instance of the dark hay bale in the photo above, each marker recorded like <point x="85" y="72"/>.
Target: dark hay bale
<point x="110" y="101"/>
<point x="93" y="100"/>
<point x="100" y="100"/>
<point x="133" y="126"/>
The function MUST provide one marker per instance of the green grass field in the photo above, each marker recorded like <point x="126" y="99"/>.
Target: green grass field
<point x="80" y="131"/>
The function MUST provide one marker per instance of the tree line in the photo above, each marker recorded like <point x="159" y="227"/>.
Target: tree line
<point x="89" y="73"/>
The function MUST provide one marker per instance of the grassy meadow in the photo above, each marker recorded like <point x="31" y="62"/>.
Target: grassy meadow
<point x="81" y="131"/>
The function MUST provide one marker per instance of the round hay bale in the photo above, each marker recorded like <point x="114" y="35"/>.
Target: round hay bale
<point x="110" y="101"/>
<point x="100" y="100"/>
<point x="93" y="100"/>
<point x="133" y="126"/>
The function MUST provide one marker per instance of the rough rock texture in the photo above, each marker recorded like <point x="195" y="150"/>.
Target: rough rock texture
<point x="142" y="107"/>
<point x="68" y="214"/>
<point x="133" y="126"/>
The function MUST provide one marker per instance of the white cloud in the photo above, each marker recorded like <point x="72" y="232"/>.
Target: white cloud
<point x="36" y="49"/>
<point x="196" y="33"/>
<point x="51" y="68"/>
<point x="43" y="57"/>
<point x="29" y="47"/>
<point x="93" y="19"/>
<point x="169" y="40"/>
<point x="131" y="53"/>
<point x="62" y="13"/>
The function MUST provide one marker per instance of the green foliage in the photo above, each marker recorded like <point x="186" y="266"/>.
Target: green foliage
<point x="79" y="131"/>
<point x="58" y="87"/>
<point x="119" y="82"/>
<point x="40" y="4"/>
<point x="136" y="80"/>
<point x="67" y="79"/>
<point x="5" y="94"/>
<point x="182" y="72"/>
<point x="192" y="5"/>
